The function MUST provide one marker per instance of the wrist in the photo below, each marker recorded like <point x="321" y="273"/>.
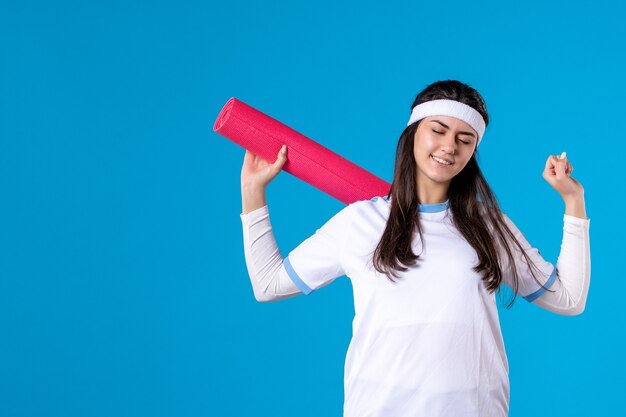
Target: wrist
<point x="575" y="206"/>
<point x="574" y="199"/>
<point x="252" y="198"/>
<point x="252" y="190"/>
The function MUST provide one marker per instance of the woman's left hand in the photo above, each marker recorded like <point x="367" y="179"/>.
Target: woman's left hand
<point x="558" y="172"/>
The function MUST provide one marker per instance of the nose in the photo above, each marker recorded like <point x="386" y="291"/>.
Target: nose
<point x="448" y="144"/>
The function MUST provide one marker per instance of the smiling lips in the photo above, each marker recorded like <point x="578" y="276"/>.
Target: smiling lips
<point x="441" y="162"/>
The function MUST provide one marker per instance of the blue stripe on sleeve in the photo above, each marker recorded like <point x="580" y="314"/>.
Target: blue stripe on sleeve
<point x="295" y="278"/>
<point x="537" y="294"/>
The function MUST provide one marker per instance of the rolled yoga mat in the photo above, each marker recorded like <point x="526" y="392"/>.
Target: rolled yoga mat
<point x="306" y="159"/>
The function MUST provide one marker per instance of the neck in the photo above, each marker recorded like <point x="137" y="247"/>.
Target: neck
<point x="432" y="196"/>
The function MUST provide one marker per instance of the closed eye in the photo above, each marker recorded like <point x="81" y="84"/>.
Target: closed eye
<point x="441" y="133"/>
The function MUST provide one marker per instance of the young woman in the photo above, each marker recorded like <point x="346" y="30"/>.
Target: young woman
<point x="425" y="262"/>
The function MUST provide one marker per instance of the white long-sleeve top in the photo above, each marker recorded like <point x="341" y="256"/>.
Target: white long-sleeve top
<point x="264" y="261"/>
<point x="271" y="282"/>
<point x="430" y="343"/>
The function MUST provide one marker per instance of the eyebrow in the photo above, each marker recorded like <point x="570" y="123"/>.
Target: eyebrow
<point x="448" y="127"/>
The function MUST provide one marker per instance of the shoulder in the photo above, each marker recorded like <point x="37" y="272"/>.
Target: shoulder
<point x="376" y="204"/>
<point x="505" y="222"/>
<point x="366" y="213"/>
<point x="508" y="223"/>
<point x="483" y="208"/>
<point x="363" y="210"/>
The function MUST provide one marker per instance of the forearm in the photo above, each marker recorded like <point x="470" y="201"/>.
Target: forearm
<point x="252" y="199"/>
<point x="264" y="261"/>
<point x="568" y="295"/>
<point x="575" y="206"/>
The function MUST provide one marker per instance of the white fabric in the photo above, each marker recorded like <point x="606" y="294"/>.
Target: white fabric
<point x="264" y="261"/>
<point x="430" y="344"/>
<point x="452" y="108"/>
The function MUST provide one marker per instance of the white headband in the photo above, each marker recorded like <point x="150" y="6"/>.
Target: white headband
<point x="444" y="107"/>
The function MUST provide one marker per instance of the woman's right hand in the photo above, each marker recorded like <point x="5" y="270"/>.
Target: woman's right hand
<point x="257" y="173"/>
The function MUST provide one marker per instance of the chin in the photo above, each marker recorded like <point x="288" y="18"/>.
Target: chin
<point x="441" y="180"/>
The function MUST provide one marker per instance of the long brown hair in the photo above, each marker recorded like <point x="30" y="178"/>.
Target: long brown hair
<point x="475" y="210"/>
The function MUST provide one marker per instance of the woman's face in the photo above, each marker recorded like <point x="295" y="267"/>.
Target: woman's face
<point x="442" y="137"/>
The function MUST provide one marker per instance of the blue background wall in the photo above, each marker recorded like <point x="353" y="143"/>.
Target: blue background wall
<point x="123" y="285"/>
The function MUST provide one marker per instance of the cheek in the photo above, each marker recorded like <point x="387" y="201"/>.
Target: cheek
<point x="465" y="163"/>
<point x="428" y="141"/>
<point x="424" y="147"/>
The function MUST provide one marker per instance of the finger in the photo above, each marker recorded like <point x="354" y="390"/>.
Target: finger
<point x="561" y="164"/>
<point x="248" y="158"/>
<point x="281" y="159"/>
<point x="251" y="156"/>
<point x="554" y="159"/>
<point x="563" y="159"/>
<point x="550" y="163"/>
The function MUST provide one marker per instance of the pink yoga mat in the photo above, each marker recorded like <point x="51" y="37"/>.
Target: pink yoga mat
<point x="306" y="159"/>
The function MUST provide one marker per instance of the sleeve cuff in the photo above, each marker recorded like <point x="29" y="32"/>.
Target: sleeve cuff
<point x="575" y="220"/>
<point x="254" y="214"/>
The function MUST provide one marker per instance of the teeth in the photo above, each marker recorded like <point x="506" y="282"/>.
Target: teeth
<point x="441" y="160"/>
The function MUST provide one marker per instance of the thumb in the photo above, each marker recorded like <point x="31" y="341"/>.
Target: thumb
<point x="561" y="165"/>
<point x="281" y="159"/>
